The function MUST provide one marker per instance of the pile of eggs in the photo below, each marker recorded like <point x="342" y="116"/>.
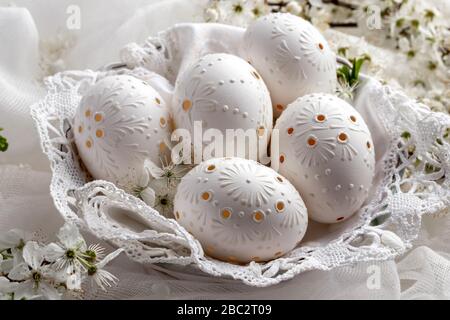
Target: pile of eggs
<point x="238" y="209"/>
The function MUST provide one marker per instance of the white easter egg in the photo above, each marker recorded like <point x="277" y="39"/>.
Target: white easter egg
<point x="240" y="210"/>
<point x="222" y="91"/>
<point x="292" y="56"/>
<point x="120" y="122"/>
<point x="326" y="151"/>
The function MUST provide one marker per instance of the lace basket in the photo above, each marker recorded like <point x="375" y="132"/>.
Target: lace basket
<point x="412" y="174"/>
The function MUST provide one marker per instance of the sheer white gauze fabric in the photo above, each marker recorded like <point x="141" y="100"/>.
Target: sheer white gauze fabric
<point x="25" y="201"/>
<point x="405" y="187"/>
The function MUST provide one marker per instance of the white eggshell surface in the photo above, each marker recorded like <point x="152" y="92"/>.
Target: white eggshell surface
<point x="240" y="210"/>
<point x="326" y="151"/>
<point x="223" y="92"/>
<point x="292" y="56"/>
<point x="121" y="121"/>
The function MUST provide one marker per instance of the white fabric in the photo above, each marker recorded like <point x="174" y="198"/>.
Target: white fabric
<point x="25" y="202"/>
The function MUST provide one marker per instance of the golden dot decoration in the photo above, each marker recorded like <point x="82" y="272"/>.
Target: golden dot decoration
<point x="233" y="259"/>
<point x="177" y="215"/>
<point x="226" y="213"/>
<point x="261" y="131"/>
<point x="321" y="118"/>
<point x="211" y="168"/>
<point x="282" y="158"/>
<point x="256" y="259"/>
<point x="162" y="122"/>
<point x="80" y="129"/>
<point x="162" y="147"/>
<point x="311" y="141"/>
<point x="290" y="131"/>
<point x="87" y="113"/>
<point x="321" y="46"/>
<point x="256" y="75"/>
<point x="280" y="107"/>
<point x="353" y="119"/>
<point x="280" y="206"/>
<point x="206" y="196"/>
<point x="99" y="133"/>
<point x="187" y="105"/>
<point x="369" y="146"/>
<point x="258" y="216"/>
<point x="88" y="144"/>
<point x="157" y="100"/>
<point x="342" y="137"/>
<point x="98" y="117"/>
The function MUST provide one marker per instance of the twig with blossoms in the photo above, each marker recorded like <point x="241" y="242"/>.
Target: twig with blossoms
<point x="416" y="28"/>
<point x="33" y="270"/>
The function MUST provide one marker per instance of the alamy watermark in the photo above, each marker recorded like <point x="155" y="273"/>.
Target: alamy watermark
<point x="73" y="21"/>
<point x="197" y="145"/>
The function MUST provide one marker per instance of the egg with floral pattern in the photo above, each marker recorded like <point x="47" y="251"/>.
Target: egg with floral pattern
<point x="222" y="91"/>
<point x="292" y="57"/>
<point x="326" y="151"/>
<point x="240" y="210"/>
<point x="121" y="121"/>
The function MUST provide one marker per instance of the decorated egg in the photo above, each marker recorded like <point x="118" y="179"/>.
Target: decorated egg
<point x="326" y="151"/>
<point x="292" y="56"/>
<point x="120" y="122"/>
<point x="240" y="210"/>
<point x="222" y="91"/>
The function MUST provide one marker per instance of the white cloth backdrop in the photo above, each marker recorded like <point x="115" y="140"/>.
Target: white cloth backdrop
<point x="35" y="41"/>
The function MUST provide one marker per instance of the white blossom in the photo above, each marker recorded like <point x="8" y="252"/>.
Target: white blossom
<point x="35" y="279"/>
<point x="69" y="253"/>
<point x="294" y="8"/>
<point x="100" y="276"/>
<point x="52" y="270"/>
<point x="236" y="12"/>
<point x="211" y="15"/>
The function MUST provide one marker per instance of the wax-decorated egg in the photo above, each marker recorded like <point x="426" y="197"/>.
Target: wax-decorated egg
<point x="326" y="151"/>
<point x="120" y="122"/>
<point x="222" y="91"/>
<point x="240" y="210"/>
<point x="292" y="56"/>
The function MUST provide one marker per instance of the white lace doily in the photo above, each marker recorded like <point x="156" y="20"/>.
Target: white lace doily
<point x="413" y="172"/>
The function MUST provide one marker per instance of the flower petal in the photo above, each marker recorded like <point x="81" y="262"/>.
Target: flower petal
<point x="13" y="238"/>
<point x="73" y="282"/>
<point x="154" y="170"/>
<point x="109" y="258"/>
<point x="70" y="237"/>
<point x="49" y="292"/>
<point x="33" y="254"/>
<point x="6" y="286"/>
<point x="148" y="196"/>
<point x="53" y="252"/>
<point x="20" y="272"/>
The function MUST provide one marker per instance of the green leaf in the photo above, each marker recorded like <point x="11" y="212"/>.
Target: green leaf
<point x="342" y="51"/>
<point x="3" y="142"/>
<point x="344" y="73"/>
<point x="406" y="135"/>
<point x="351" y="76"/>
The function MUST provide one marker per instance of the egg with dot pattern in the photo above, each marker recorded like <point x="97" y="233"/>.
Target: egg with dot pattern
<point x="326" y="151"/>
<point x="240" y="210"/>
<point x="223" y="92"/>
<point x="120" y="122"/>
<point x="291" y="55"/>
